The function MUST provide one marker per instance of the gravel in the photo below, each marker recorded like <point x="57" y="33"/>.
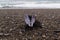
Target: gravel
<point x="12" y="25"/>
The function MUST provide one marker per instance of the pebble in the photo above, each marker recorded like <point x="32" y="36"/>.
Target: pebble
<point x="20" y="32"/>
<point x="1" y="33"/>
<point x="42" y="24"/>
<point x="6" y="34"/>
<point x="8" y="17"/>
<point x="33" y="36"/>
<point x="25" y="39"/>
<point x="53" y="16"/>
<point x="12" y="22"/>
<point x="44" y="36"/>
<point x="11" y="29"/>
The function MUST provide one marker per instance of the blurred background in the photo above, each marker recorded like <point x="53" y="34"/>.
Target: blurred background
<point x="29" y="4"/>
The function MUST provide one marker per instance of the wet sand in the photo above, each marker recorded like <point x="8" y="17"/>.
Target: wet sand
<point x="12" y="25"/>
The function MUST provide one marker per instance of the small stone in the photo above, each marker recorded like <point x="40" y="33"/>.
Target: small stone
<point x="1" y="39"/>
<point x="53" y="16"/>
<point x="6" y="34"/>
<point x="11" y="29"/>
<point x="42" y="24"/>
<point x="25" y="39"/>
<point x="5" y="39"/>
<point x="20" y="32"/>
<point x="12" y="22"/>
<point x="30" y="37"/>
<point x="1" y="33"/>
<point x="43" y="35"/>
<point x="7" y="17"/>
<point x="33" y="35"/>
<point x="36" y="33"/>
<point x="17" y="39"/>
<point x="44" y="39"/>
<point x="59" y="37"/>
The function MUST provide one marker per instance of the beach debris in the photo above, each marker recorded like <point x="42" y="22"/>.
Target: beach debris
<point x="29" y="20"/>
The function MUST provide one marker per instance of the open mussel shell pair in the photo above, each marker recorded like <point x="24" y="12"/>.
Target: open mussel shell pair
<point x="31" y="22"/>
